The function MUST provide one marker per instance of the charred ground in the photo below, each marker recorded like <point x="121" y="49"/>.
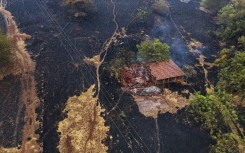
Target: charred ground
<point x="60" y="42"/>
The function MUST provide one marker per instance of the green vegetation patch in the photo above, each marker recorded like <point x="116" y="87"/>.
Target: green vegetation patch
<point x="215" y="113"/>
<point x="153" y="51"/>
<point x="122" y="59"/>
<point x="232" y="21"/>
<point x="232" y="72"/>
<point x="6" y="52"/>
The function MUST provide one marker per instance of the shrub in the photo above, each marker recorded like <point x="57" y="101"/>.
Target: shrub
<point x="232" y="21"/>
<point x="228" y="143"/>
<point x="214" y="112"/>
<point x="6" y="52"/>
<point x="232" y="72"/>
<point x="142" y="13"/>
<point x="161" y="7"/>
<point x="122" y="59"/>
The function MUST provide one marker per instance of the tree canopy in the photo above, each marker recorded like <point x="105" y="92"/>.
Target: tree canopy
<point x="232" y="72"/>
<point x="121" y="60"/>
<point x="215" y="113"/>
<point x="232" y="58"/>
<point x="153" y="51"/>
<point x="232" y="21"/>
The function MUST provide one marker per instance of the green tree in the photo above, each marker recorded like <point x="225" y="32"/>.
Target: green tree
<point x="122" y="59"/>
<point x="6" y="52"/>
<point x="232" y="72"/>
<point x="241" y="43"/>
<point x="215" y="113"/>
<point x="232" y="21"/>
<point x="228" y="143"/>
<point x="152" y="51"/>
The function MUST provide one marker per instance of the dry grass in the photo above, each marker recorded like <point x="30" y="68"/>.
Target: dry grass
<point x="84" y="128"/>
<point x="168" y="101"/>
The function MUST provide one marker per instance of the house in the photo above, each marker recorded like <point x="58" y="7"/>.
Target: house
<point x="165" y="72"/>
<point x="153" y="73"/>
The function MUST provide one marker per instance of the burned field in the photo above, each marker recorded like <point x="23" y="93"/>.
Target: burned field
<point x="61" y="41"/>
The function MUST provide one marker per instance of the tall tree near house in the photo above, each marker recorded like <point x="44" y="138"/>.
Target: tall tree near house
<point x="153" y="51"/>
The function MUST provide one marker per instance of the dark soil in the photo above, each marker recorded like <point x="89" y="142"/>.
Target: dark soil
<point x="10" y="132"/>
<point x="2" y="24"/>
<point x="60" y="42"/>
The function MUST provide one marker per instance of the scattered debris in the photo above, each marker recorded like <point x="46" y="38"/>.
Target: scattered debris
<point x="144" y="82"/>
<point x="152" y="90"/>
<point x="138" y="76"/>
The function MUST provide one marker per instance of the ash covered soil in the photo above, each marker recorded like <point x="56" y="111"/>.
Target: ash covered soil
<point x="60" y="42"/>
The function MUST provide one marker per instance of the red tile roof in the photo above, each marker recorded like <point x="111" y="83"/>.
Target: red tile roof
<point x="165" y="70"/>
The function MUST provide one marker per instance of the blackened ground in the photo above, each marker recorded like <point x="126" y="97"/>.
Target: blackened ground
<point x="139" y="133"/>
<point x="10" y="131"/>
<point x="187" y="22"/>
<point x="2" y="24"/>
<point x="175" y="133"/>
<point x="60" y="42"/>
<point x="200" y="26"/>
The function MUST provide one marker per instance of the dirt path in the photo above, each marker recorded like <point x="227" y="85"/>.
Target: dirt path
<point x="106" y="45"/>
<point x="99" y="59"/>
<point x="29" y="97"/>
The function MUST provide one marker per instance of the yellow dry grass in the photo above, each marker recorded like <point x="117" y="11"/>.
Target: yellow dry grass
<point x="9" y="150"/>
<point x="84" y="129"/>
<point x="168" y="101"/>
